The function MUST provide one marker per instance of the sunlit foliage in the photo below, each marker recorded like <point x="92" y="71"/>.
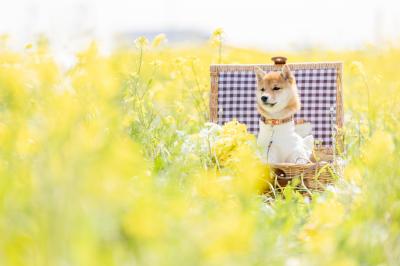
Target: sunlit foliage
<point x="111" y="162"/>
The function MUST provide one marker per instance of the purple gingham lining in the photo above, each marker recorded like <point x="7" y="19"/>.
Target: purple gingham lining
<point x="317" y="88"/>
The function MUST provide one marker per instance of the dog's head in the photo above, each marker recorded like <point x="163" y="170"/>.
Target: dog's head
<point x="277" y="95"/>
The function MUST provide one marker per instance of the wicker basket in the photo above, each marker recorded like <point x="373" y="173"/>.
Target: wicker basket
<point x="305" y="177"/>
<point x="232" y="97"/>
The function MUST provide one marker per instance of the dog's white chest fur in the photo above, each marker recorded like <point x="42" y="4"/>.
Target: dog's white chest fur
<point x="282" y="144"/>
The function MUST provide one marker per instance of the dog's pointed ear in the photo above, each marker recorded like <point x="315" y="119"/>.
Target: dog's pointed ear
<point x="287" y="74"/>
<point x="259" y="74"/>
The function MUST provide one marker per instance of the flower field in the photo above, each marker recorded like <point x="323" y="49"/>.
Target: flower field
<point x="112" y="162"/>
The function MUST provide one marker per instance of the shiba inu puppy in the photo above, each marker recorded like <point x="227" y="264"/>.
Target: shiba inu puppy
<point x="277" y="102"/>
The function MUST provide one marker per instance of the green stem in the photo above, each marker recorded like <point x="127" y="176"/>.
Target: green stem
<point x="140" y="61"/>
<point x="368" y="105"/>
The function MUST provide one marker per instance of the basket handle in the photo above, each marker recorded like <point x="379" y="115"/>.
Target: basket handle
<point x="279" y="60"/>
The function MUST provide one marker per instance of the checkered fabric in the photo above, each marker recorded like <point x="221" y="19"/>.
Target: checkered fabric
<point x="317" y="88"/>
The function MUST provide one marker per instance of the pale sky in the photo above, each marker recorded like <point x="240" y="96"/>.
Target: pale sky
<point x="254" y="23"/>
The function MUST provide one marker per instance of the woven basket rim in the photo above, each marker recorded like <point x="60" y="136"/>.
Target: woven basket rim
<point x="277" y="165"/>
<point x="294" y="66"/>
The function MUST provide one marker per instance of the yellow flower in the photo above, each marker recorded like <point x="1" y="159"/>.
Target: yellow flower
<point x="169" y="120"/>
<point x="379" y="149"/>
<point x="357" y="68"/>
<point x="158" y="40"/>
<point x="156" y="63"/>
<point x="229" y="233"/>
<point x="319" y="233"/>
<point x="218" y="32"/>
<point x="216" y="37"/>
<point x="141" y="42"/>
<point x="352" y="174"/>
<point x="145" y="220"/>
<point x="232" y="135"/>
<point x="180" y="61"/>
<point x="179" y="107"/>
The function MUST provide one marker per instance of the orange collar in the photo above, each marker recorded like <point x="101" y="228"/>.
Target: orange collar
<point x="275" y="122"/>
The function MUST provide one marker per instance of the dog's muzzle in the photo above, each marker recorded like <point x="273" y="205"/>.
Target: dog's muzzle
<point x="264" y="99"/>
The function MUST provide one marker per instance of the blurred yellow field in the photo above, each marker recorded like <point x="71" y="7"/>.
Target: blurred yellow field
<point x="111" y="162"/>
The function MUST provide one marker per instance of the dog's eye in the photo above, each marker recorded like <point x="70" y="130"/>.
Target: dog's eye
<point x="276" y="88"/>
<point x="262" y="89"/>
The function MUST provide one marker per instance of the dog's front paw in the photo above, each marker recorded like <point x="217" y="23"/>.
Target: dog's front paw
<point x="299" y="157"/>
<point x="303" y="129"/>
<point x="309" y="142"/>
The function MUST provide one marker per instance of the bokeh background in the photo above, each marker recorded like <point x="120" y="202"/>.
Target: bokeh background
<point x="255" y="23"/>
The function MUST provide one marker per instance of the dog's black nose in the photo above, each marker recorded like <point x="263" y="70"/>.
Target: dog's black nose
<point x="264" y="99"/>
